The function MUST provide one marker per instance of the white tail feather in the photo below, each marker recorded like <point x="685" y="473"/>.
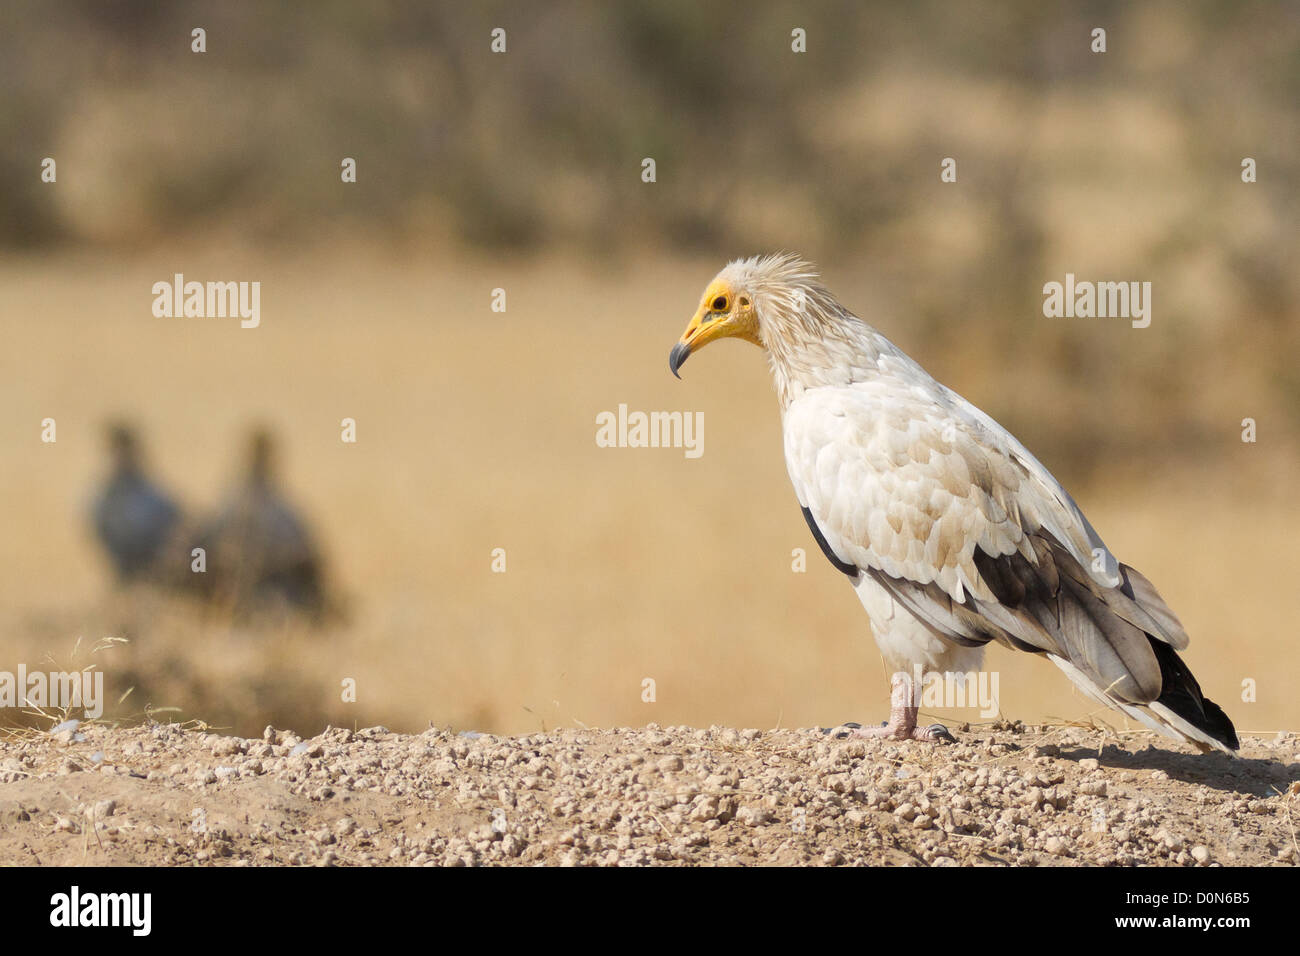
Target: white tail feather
<point x="1156" y="716"/>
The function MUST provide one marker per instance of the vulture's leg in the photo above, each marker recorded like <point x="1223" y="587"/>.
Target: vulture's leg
<point x="902" y="719"/>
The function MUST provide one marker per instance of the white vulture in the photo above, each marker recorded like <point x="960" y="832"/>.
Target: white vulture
<point x="952" y="534"/>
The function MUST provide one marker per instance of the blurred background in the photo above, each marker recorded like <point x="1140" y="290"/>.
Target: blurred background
<point x="522" y="171"/>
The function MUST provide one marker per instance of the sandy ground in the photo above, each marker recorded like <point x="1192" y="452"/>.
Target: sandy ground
<point x="161" y="794"/>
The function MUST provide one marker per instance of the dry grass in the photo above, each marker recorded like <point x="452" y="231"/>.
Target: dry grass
<point x="476" y="432"/>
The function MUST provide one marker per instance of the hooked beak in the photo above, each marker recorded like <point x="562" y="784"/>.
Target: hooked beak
<point x="709" y="324"/>
<point x="704" y="327"/>
<point x="678" y="356"/>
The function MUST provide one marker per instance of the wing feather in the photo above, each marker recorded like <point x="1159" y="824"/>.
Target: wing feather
<point x="969" y="531"/>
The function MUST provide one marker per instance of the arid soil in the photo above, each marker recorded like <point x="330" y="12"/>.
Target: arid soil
<point x="161" y="794"/>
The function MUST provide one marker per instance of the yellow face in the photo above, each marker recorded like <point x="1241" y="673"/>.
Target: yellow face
<point x="724" y="312"/>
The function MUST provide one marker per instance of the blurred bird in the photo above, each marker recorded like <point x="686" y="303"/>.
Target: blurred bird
<point x="259" y="550"/>
<point x="952" y="534"/>
<point x="134" y="519"/>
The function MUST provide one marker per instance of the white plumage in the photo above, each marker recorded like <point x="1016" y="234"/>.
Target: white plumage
<point x="953" y="534"/>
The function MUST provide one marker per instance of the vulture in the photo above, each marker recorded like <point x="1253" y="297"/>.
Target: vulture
<point x="260" y="553"/>
<point x="952" y="534"/>
<point x="134" y="519"/>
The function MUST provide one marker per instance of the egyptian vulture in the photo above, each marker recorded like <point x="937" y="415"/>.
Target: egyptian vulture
<point x="952" y="534"/>
<point x="134" y="519"/>
<point x="260" y="554"/>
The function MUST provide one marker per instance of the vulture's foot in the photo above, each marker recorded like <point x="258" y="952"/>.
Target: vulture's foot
<point x="901" y="724"/>
<point x="895" y="729"/>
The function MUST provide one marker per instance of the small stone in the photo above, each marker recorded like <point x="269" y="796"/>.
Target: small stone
<point x="1201" y="854"/>
<point x="226" y="746"/>
<point x="752" y="816"/>
<point x="1172" y="841"/>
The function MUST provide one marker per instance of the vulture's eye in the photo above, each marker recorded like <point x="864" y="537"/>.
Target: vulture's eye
<point x="720" y="304"/>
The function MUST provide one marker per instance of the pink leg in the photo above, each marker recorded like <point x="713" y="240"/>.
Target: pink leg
<point x="902" y="719"/>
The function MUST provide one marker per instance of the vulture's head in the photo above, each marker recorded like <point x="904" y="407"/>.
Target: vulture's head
<point x="773" y="301"/>
<point x="261" y="456"/>
<point x="123" y="447"/>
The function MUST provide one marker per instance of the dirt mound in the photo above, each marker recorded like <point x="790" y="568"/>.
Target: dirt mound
<point x="163" y="794"/>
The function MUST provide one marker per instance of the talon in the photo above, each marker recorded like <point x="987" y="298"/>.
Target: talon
<point x="936" y="732"/>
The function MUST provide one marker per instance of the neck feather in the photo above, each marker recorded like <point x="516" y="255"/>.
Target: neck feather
<point x="812" y="341"/>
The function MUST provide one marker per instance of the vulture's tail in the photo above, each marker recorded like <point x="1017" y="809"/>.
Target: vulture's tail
<point x="1181" y="712"/>
<point x="1107" y="632"/>
<point x="1184" y="707"/>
